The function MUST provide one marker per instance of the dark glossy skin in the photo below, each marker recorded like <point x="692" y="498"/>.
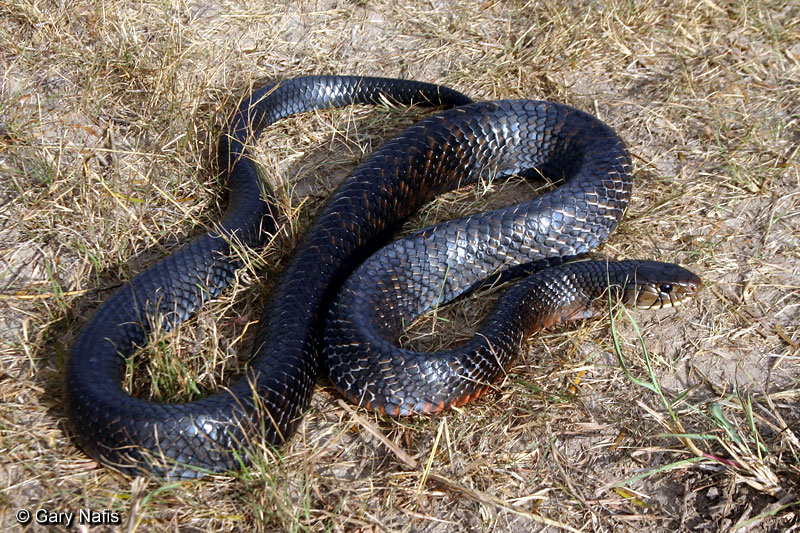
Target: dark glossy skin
<point x="370" y="369"/>
<point x="438" y="154"/>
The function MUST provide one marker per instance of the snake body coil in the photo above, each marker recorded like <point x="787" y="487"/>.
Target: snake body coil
<point x="452" y="149"/>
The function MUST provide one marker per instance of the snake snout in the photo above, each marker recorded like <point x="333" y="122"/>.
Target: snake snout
<point x="660" y="285"/>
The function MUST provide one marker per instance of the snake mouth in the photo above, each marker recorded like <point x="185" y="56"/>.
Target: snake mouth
<point x="663" y="294"/>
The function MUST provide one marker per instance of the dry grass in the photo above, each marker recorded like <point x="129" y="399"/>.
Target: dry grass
<point x="109" y="113"/>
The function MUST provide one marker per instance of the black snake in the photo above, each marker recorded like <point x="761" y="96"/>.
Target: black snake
<point x="294" y="344"/>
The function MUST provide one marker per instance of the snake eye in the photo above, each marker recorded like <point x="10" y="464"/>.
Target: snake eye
<point x="666" y="288"/>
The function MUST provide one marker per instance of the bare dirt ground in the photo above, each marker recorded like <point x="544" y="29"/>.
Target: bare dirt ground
<point x="109" y="115"/>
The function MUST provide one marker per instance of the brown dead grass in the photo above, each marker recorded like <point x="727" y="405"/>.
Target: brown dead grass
<point x="109" y="115"/>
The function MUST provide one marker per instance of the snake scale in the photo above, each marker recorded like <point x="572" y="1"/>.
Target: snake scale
<point x="340" y="305"/>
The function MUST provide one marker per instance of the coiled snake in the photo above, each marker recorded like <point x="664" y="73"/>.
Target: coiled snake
<point x="294" y="344"/>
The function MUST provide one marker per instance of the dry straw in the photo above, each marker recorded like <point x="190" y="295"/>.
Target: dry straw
<point x="109" y="115"/>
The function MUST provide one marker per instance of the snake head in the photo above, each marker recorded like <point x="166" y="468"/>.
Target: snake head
<point x="654" y="285"/>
